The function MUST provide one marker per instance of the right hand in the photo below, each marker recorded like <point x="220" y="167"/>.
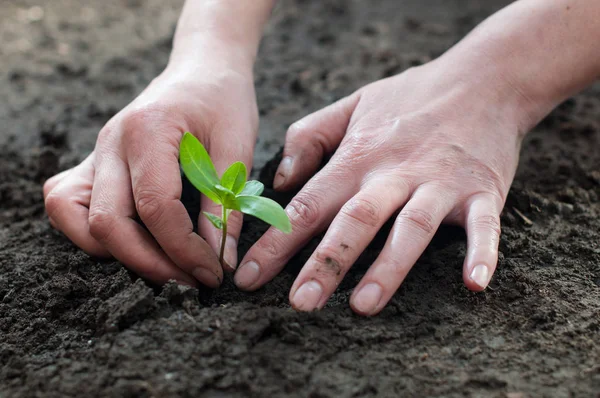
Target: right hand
<point x="134" y="169"/>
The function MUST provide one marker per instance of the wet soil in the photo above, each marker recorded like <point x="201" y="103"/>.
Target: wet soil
<point x="71" y="325"/>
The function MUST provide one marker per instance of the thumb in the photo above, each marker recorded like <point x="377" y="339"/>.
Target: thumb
<point x="310" y="139"/>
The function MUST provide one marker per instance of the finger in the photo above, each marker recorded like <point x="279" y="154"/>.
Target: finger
<point x="156" y="181"/>
<point x="53" y="181"/>
<point x="310" y="139"/>
<point x="223" y="155"/>
<point x="49" y="185"/>
<point x="350" y="233"/>
<point x="111" y="223"/>
<point x="483" y="236"/>
<point x="412" y="231"/>
<point x="67" y="207"/>
<point x="310" y="212"/>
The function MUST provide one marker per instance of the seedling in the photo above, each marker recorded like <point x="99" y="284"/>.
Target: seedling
<point x="231" y="191"/>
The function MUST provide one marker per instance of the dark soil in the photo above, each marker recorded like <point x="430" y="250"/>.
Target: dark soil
<point x="73" y="326"/>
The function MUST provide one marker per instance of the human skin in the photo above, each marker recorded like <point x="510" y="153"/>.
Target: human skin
<point x="134" y="167"/>
<point x="437" y="143"/>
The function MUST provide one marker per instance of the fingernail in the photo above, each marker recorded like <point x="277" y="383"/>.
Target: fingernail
<point x="367" y="299"/>
<point x="207" y="277"/>
<point x="283" y="171"/>
<point x="231" y="252"/>
<point x="480" y="275"/>
<point x="247" y="275"/>
<point x="307" y="297"/>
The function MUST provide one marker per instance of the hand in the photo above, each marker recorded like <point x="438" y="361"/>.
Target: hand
<point x="134" y="169"/>
<point x="436" y="146"/>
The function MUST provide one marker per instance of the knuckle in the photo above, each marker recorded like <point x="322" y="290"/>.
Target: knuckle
<point x="133" y="128"/>
<point x="107" y="134"/>
<point x="402" y="184"/>
<point x="235" y="219"/>
<point x="303" y="210"/>
<point x="490" y="180"/>
<point x="101" y="224"/>
<point x="354" y="146"/>
<point x="417" y="219"/>
<point x="272" y="248"/>
<point x="53" y="203"/>
<point x="148" y="206"/>
<point x="329" y="262"/>
<point x="358" y="147"/>
<point x="318" y="144"/>
<point x="398" y="268"/>
<point x="297" y="130"/>
<point x="136" y="123"/>
<point x="269" y="246"/>
<point x="232" y="150"/>
<point x="314" y="139"/>
<point x="488" y="223"/>
<point x="143" y="115"/>
<point x="48" y="186"/>
<point x="363" y="210"/>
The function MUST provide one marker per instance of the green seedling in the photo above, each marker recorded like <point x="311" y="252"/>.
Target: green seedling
<point x="231" y="191"/>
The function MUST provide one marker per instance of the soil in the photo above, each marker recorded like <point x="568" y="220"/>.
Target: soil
<point x="71" y="325"/>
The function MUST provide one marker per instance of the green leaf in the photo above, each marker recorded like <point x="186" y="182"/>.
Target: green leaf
<point x="198" y="167"/>
<point x="216" y="221"/>
<point x="253" y="188"/>
<point x="234" y="177"/>
<point x="267" y="210"/>
<point x="223" y="191"/>
<point x="227" y="197"/>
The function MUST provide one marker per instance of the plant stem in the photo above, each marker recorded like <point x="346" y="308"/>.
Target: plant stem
<point x="224" y="237"/>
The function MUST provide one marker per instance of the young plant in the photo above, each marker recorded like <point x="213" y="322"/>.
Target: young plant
<point x="231" y="191"/>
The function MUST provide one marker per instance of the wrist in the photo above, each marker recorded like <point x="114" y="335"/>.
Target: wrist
<point x="492" y="83"/>
<point x="227" y="29"/>
<point x="199" y="50"/>
<point x="530" y="56"/>
<point x="487" y="88"/>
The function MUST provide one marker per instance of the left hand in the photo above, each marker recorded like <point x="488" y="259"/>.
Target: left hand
<point x="432" y="142"/>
